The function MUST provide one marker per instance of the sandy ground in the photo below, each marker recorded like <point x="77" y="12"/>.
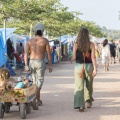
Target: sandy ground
<point x="58" y="90"/>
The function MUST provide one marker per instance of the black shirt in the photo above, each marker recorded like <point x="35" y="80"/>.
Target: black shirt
<point x="80" y="57"/>
<point x="112" y="47"/>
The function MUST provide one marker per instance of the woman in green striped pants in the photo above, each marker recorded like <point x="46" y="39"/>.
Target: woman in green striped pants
<point x="85" y="70"/>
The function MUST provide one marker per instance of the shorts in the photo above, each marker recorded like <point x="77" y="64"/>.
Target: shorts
<point x="113" y="54"/>
<point x="37" y="68"/>
<point x="105" y="59"/>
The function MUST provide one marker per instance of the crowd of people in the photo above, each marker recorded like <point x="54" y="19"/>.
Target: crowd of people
<point x="108" y="52"/>
<point x="85" y="53"/>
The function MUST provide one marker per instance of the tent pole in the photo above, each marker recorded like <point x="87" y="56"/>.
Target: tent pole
<point x="30" y="35"/>
<point x="4" y="26"/>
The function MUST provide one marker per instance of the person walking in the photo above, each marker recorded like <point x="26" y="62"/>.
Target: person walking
<point x="97" y="52"/>
<point x="113" y="52"/>
<point x="118" y="51"/>
<point x="37" y="48"/>
<point x="85" y="69"/>
<point x="105" y="55"/>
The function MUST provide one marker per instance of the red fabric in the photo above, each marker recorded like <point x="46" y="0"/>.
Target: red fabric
<point x="17" y="57"/>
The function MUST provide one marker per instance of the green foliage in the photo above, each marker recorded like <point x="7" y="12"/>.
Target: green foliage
<point x="56" y="18"/>
<point x="111" y="34"/>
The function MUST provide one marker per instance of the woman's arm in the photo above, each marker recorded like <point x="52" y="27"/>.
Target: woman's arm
<point x="93" y="57"/>
<point x="74" y="51"/>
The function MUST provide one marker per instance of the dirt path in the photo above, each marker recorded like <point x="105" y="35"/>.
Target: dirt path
<point x="57" y="96"/>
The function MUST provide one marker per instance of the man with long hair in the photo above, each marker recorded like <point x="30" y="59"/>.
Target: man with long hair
<point x="85" y="69"/>
<point x="37" y="48"/>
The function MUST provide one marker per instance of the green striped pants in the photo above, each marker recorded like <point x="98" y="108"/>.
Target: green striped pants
<point x="84" y="85"/>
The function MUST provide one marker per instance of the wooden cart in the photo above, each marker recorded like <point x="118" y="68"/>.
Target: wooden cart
<point x="22" y="97"/>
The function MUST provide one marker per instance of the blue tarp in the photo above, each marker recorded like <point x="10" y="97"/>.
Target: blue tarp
<point x="3" y="47"/>
<point x="3" y="58"/>
<point x="65" y="39"/>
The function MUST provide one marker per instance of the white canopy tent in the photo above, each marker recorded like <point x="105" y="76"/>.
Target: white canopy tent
<point x="100" y="40"/>
<point x="17" y="38"/>
<point x="6" y="32"/>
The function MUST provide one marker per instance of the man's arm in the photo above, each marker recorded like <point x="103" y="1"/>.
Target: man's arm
<point x="26" y="53"/>
<point x="49" y="56"/>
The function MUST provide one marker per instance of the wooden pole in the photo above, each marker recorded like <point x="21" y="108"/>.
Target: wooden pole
<point x="30" y="35"/>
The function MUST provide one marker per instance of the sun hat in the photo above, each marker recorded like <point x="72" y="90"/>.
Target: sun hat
<point x="39" y="26"/>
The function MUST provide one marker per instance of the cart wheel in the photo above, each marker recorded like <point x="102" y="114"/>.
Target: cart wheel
<point x="23" y="110"/>
<point x="28" y="107"/>
<point x="2" y="109"/>
<point x="7" y="107"/>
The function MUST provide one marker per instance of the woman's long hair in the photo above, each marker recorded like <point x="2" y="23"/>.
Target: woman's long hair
<point x="83" y="40"/>
<point x="105" y="42"/>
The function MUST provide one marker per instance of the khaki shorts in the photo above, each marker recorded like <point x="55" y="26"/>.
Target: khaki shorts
<point x="37" y="68"/>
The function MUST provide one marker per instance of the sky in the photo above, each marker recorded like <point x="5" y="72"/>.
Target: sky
<point x="102" y="12"/>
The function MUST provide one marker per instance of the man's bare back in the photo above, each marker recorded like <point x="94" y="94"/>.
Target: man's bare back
<point x="37" y="47"/>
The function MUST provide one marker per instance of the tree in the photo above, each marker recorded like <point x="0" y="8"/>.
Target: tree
<point x="57" y="19"/>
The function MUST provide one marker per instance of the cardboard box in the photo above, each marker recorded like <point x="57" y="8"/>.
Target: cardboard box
<point x="18" y="95"/>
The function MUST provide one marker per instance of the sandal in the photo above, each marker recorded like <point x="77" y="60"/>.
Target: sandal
<point x="39" y="103"/>
<point x="89" y="105"/>
<point x="35" y="107"/>
<point x="81" y="109"/>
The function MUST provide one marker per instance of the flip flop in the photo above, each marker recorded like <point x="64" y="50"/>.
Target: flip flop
<point x="81" y="109"/>
<point x="39" y="103"/>
<point x="89" y="105"/>
<point x="35" y="107"/>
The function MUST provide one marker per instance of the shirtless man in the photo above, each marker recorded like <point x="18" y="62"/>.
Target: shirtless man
<point x="37" y="47"/>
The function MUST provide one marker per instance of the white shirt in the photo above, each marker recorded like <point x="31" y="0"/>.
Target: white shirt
<point x="106" y="51"/>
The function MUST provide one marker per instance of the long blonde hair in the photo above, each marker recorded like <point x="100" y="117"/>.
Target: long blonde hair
<point x="83" y="40"/>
